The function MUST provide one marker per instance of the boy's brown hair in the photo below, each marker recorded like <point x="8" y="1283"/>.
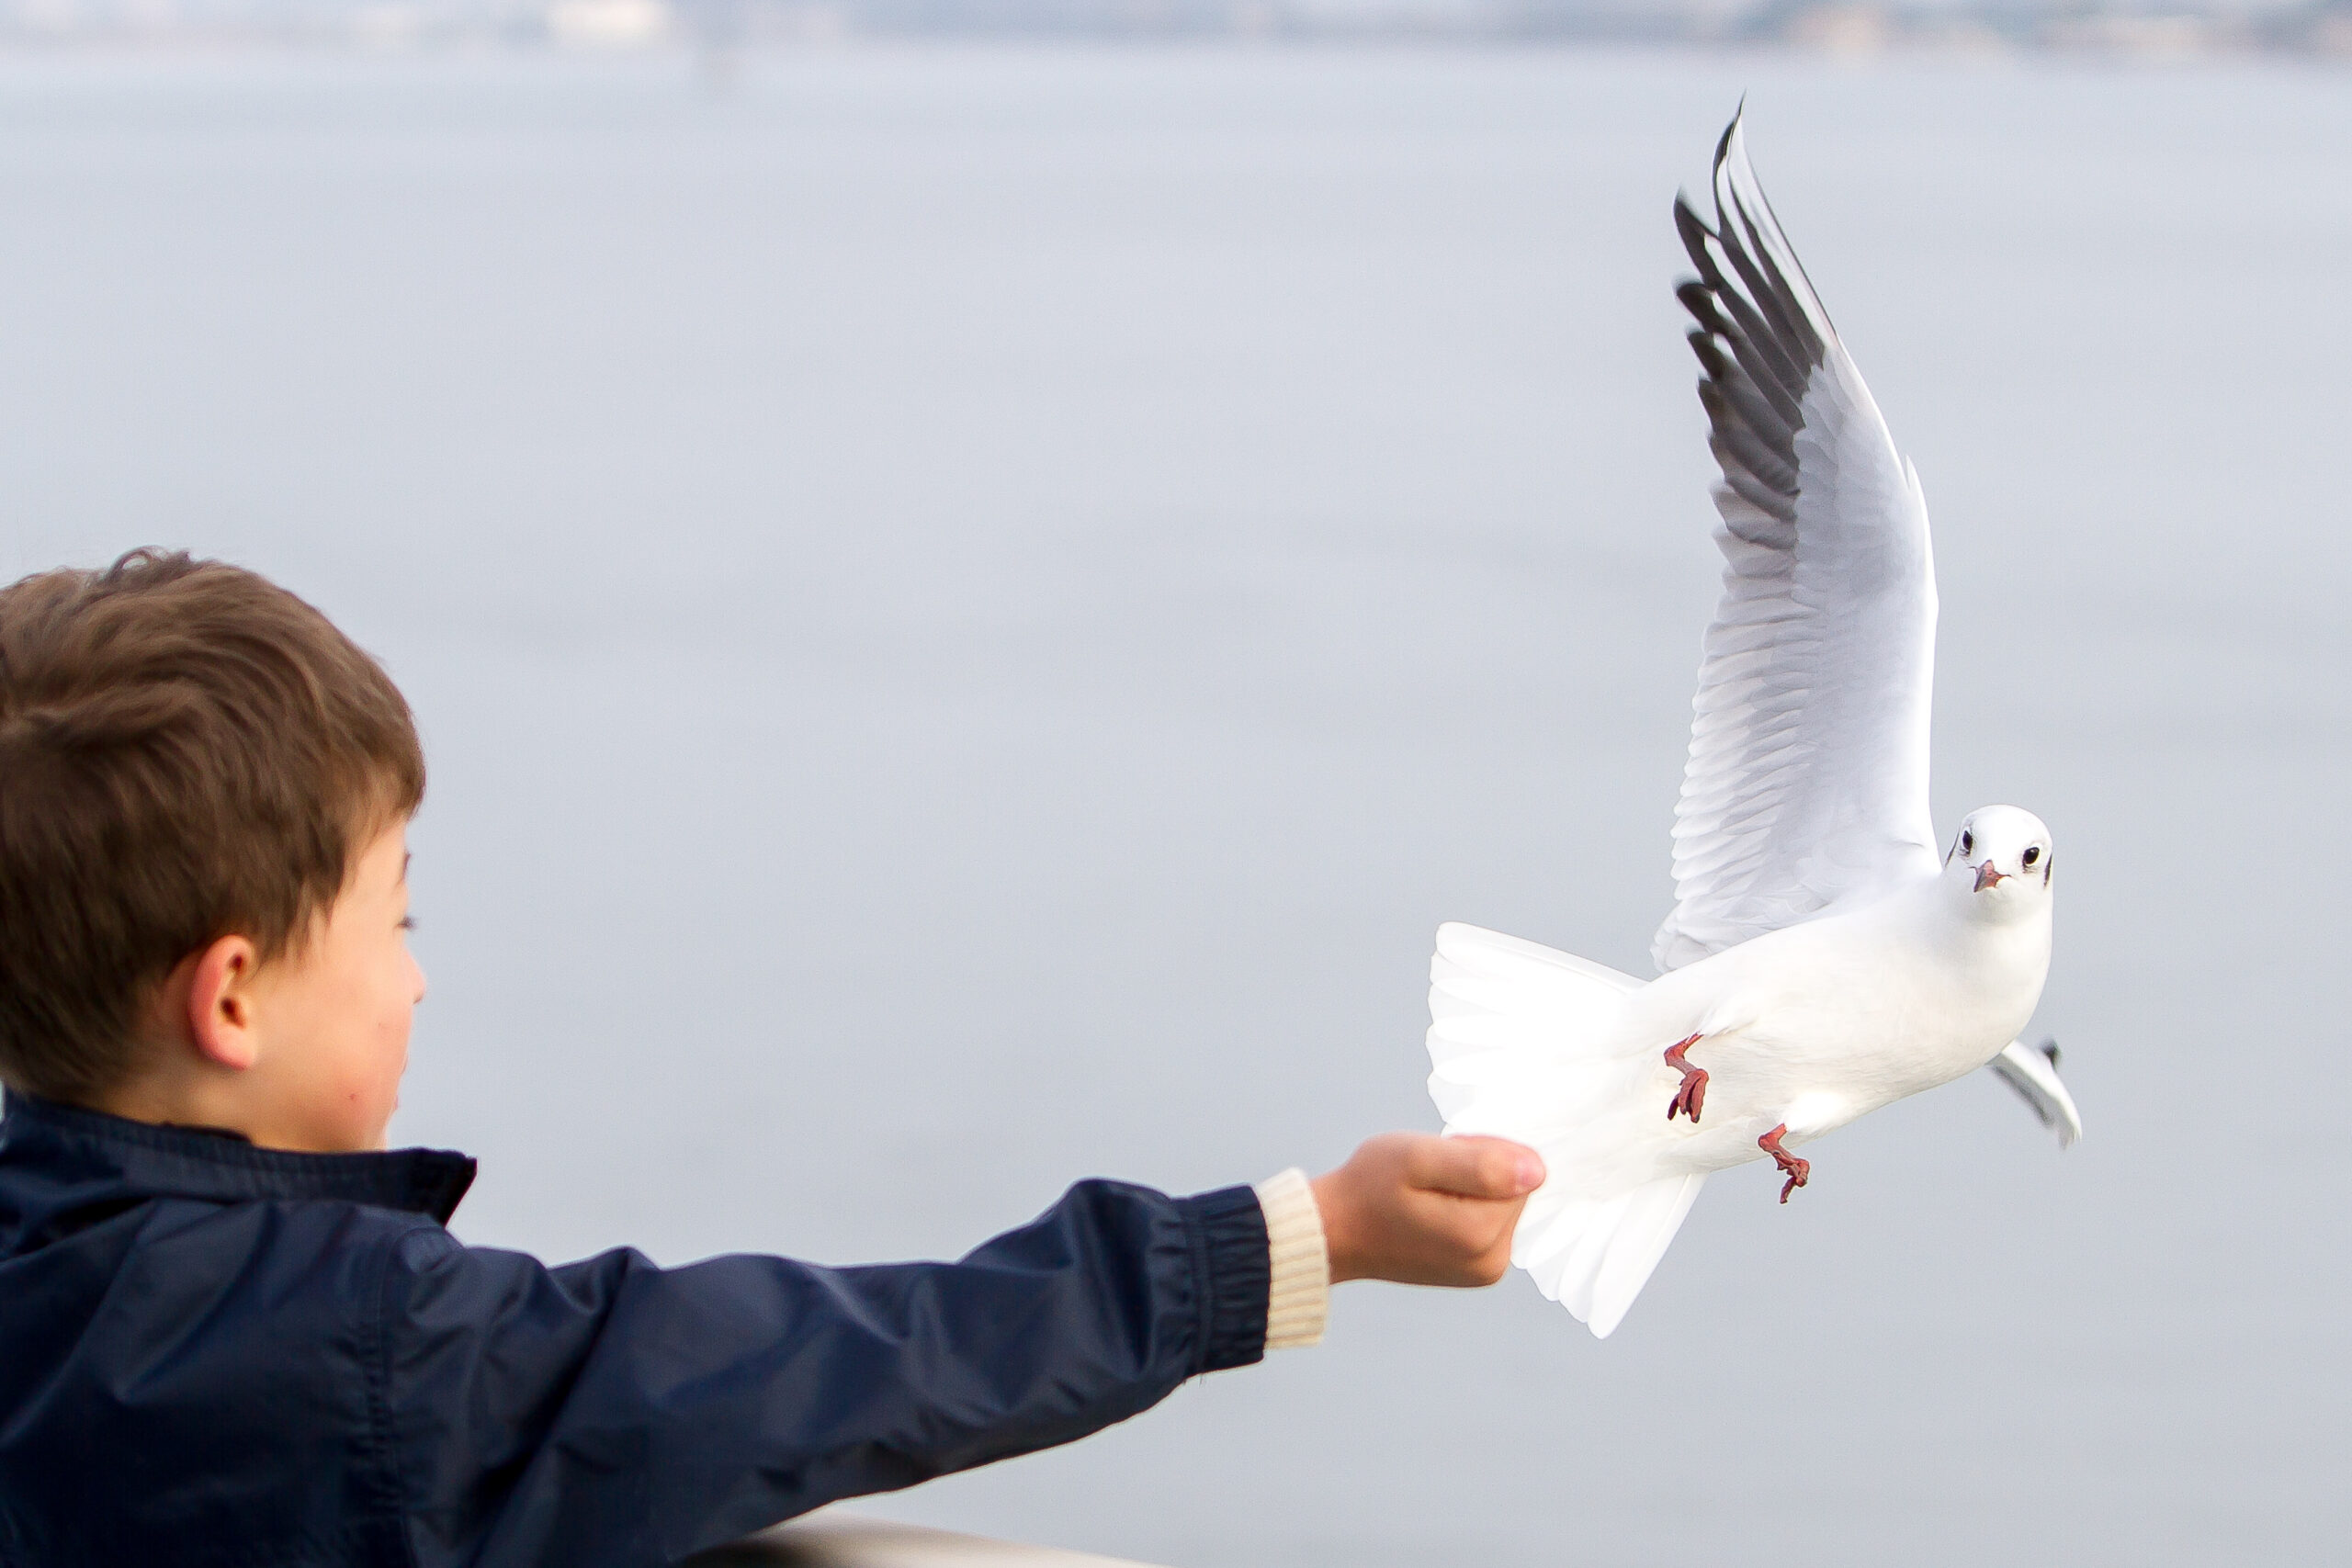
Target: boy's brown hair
<point x="187" y="752"/>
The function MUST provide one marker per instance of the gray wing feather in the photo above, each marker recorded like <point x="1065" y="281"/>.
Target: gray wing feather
<point x="2033" y="1073"/>
<point x="1807" y="782"/>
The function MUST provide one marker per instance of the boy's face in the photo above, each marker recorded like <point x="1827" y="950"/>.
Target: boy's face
<point x="334" y="1016"/>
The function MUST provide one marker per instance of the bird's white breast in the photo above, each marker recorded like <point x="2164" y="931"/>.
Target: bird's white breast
<point x="1816" y="1024"/>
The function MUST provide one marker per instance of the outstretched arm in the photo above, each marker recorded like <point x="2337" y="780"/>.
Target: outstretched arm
<point x="612" y="1408"/>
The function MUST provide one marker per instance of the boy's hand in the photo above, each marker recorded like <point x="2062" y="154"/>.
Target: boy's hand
<point x="1422" y="1210"/>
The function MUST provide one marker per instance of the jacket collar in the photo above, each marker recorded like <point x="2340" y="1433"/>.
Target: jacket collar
<point x="56" y="1160"/>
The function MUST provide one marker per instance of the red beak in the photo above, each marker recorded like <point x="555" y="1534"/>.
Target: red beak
<point x="1986" y="877"/>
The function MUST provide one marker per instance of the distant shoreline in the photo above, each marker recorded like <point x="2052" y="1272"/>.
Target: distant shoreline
<point x="2138" y="32"/>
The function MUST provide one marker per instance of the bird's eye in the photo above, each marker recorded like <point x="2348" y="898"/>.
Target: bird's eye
<point x="2033" y="854"/>
<point x="1968" y="843"/>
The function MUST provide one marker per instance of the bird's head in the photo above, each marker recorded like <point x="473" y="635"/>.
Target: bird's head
<point x="2001" y="859"/>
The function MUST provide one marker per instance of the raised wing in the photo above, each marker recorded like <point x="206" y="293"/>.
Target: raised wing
<point x="2032" y="1071"/>
<point x="1807" y="783"/>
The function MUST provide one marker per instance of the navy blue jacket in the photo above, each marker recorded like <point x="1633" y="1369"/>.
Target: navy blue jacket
<point x="221" y="1355"/>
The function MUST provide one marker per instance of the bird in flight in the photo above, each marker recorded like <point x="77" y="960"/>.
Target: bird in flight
<point x="1827" y="954"/>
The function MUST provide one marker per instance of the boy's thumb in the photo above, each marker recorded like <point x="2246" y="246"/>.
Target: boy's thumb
<point x="1476" y="1167"/>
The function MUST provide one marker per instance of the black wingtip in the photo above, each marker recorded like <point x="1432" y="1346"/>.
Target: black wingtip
<point x="2050" y="1049"/>
<point x="1722" y="143"/>
<point x="1695" y="235"/>
<point x="1711" y="359"/>
<point x="1700" y="300"/>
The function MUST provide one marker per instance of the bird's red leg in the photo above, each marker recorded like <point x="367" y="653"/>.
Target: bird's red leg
<point x="1693" y="1096"/>
<point x="1796" y="1169"/>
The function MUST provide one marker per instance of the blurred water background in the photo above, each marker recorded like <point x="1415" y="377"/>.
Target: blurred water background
<point x="972" y="607"/>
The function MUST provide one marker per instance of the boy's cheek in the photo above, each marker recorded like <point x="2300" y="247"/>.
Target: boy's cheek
<point x="366" y="1113"/>
<point x="364" y="1089"/>
<point x="382" y="1093"/>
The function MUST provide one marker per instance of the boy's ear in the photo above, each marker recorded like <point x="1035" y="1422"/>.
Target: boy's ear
<point x="221" y="1003"/>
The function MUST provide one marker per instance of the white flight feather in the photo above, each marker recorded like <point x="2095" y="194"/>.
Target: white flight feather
<point x="2034" y="1075"/>
<point x="1807" y="781"/>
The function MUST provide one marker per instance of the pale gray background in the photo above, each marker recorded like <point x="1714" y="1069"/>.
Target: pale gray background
<point x="973" y="608"/>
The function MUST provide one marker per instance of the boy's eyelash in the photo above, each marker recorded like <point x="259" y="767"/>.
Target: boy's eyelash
<point x="408" y="922"/>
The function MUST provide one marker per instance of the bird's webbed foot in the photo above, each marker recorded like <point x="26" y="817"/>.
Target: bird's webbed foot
<point x="1691" y="1097"/>
<point x="1796" y="1169"/>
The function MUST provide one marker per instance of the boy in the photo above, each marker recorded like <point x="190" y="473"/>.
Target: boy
<point x="233" y="1328"/>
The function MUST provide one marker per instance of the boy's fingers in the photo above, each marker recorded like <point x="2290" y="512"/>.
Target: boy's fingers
<point x="1490" y="1247"/>
<point x="1474" y="1168"/>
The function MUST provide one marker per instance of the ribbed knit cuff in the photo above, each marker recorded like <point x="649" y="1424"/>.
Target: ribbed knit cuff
<point x="1298" y="1290"/>
<point x="1227" y="1230"/>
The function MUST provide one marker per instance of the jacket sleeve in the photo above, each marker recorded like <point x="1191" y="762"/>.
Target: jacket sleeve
<point x="611" y="1411"/>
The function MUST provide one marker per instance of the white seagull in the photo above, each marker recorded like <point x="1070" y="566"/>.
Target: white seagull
<point x="1822" y="959"/>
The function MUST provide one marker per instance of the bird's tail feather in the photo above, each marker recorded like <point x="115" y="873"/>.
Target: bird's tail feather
<point x="1520" y="1041"/>
<point x="1594" y="1255"/>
